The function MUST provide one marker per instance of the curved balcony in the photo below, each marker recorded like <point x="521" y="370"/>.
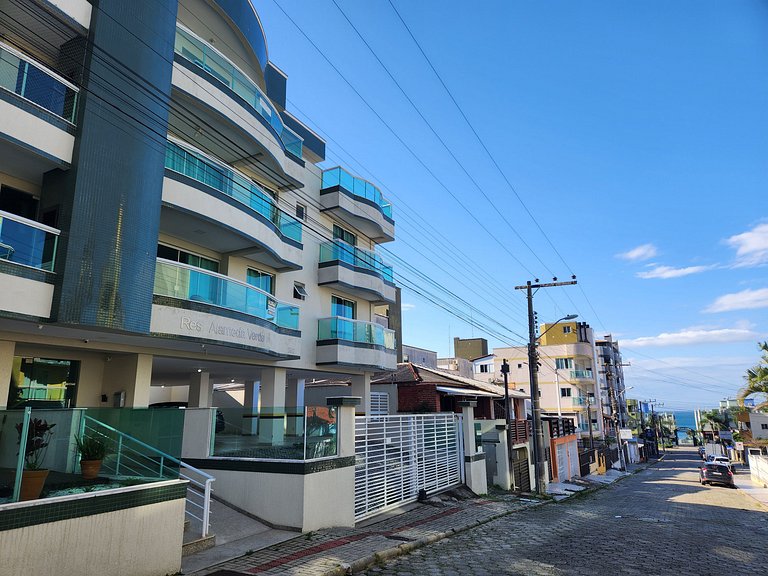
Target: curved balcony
<point x="196" y="51"/>
<point x="358" y="201"/>
<point x="27" y="258"/>
<point x="201" y="188"/>
<point x="193" y="303"/>
<point x="347" y="342"/>
<point x="355" y="271"/>
<point x="38" y="107"/>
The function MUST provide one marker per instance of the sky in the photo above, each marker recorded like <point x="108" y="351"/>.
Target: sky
<point x="625" y="143"/>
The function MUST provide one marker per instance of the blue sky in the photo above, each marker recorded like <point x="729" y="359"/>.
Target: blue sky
<point x="635" y="133"/>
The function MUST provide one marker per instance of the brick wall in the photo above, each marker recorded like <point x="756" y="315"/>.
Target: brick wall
<point x="417" y="398"/>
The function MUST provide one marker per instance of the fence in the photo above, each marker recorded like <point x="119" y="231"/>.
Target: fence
<point x="758" y="467"/>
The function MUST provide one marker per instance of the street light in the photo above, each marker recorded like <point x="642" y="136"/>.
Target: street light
<point x="533" y="367"/>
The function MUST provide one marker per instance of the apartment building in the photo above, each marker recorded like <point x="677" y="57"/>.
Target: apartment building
<point x="611" y="380"/>
<point x="567" y="381"/>
<point x="165" y="224"/>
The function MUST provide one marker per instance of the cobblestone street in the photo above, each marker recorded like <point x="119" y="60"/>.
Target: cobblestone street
<point x="659" y="521"/>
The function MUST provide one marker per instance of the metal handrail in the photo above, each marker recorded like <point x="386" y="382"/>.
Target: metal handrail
<point x="204" y="485"/>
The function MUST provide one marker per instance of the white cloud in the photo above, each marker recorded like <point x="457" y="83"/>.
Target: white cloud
<point x="744" y="300"/>
<point x="642" y="252"/>
<point x="691" y="336"/>
<point x="751" y="246"/>
<point x="669" y="272"/>
<point x="405" y="306"/>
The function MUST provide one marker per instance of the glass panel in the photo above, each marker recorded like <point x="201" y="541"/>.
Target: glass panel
<point x="262" y="280"/>
<point x="342" y="308"/>
<point x="222" y="178"/>
<point x="43" y="383"/>
<point x="340" y="251"/>
<point x="23" y="243"/>
<point x="321" y="432"/>
<point x="177" y="281"/>
<point x="37" y="85"/>
<point x="203" y="55"/>
<point x="355" y="331"/>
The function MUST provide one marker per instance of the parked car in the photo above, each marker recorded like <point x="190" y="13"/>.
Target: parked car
<point x="716" y="473"/>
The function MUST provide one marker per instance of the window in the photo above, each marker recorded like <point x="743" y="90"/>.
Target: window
<point x="565" y="392"/>
<point x="764" y="426"/>
<point x="263" y="280"/>
<point x="301" y="212"/>
<point x="379" y="403"/>
<point x="566" y="329"/>
<point x="564" y="363"/>
<point x="43" y="383"/>
<point x="485" y="368"/>
<point x="345" y="235"/>
<point x="177" y="255"/>
<point x="342" y="307"/>
<point x="299" y="291"/>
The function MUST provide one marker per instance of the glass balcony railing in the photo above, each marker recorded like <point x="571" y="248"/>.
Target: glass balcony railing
<point x="338" y="250"/>
<point x="186" y="160"/>
<point x="34" y="82"/>
<point x="357" y="186"/>
<point x="290" y="433"/>
<point x="584" y="374"/>
<point x="189" y="283"/>
<point x="578" y="401"/>
<point x="337" y="328"/>
<point x="202" y="54"/>
<point x="27" y="242"/>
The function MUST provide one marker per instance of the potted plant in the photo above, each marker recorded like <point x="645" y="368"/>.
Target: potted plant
<point x="38" y="438"/>
<point x="92" y="452"/>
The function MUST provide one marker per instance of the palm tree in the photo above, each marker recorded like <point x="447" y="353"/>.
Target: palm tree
<point x="757" y="380"/>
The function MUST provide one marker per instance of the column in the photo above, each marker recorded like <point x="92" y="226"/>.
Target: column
<point x="272" y="408"/>
<point x="345" y="423"/>
<point x="7" y="351"/>
<point x="128" y="377"/>
<point x="361" y="388"/>
<point x="250" y="416"/>
<point x="503" y="476"/>
<point x="200" y="390"/>
<point x="474" y="461"/>
<point x="294" y="401"/>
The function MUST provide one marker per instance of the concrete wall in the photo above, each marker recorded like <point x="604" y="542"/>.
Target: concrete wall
<point x="756" y="422"/>
<point x="139" y="541"/>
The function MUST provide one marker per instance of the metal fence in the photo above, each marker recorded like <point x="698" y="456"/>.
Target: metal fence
<point x="399" y="455"/>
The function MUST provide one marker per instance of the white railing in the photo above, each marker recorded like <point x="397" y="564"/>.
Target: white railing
<point x="398" y="455"/>
<point x="758" y="468"/>
<point x="129" y="457"/>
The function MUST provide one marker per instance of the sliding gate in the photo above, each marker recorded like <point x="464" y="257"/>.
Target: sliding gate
<point x="396" y="456"/>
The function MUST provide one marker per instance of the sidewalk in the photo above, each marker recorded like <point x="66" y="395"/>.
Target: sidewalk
<point x="338" y="551"/>
<point x="743" y="481"/>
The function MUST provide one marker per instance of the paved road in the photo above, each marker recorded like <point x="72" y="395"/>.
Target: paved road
<point x="659" y="521"/>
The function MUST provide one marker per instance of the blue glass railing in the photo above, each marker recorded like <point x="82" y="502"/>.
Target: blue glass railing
<point x="585" y="374"/>
<point x="27" y="242"/>
<point x="186" y="160"/>
<point x="189" y="283"/>
<point x="339" y="251"/>
<point x="34" y="82"/>
<point x="202" y="54"/>
<point x="337" y="328"/>
<point x="357" y="186"/>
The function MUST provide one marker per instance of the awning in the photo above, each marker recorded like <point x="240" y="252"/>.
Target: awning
<point x="465" y="392"/>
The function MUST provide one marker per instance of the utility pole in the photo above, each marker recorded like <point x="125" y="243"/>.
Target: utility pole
<point x="616" y="416"/>
<point x="507" y="414"/>
<point x="533" y="368"/>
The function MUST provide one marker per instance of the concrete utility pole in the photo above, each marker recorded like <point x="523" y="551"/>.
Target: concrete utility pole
<point x="533" y="368"/>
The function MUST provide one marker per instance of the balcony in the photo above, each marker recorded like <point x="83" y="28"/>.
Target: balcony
<point x="202" y="186"/>
<point x="581" y="375"/>
<point x="38" y="107"/>
<point x="579" y="401"/>
<point x="559" y="427"/>
<point x="221" y="70"/>
<point x="27" y="259"/>
<point x="193" y="303"/>
<point x="347" y="342"/>
<point x="359" y="202"/>
<point x="355" y="271"/>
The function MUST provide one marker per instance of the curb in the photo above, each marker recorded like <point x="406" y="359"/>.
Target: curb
<point x="408" y="547"/>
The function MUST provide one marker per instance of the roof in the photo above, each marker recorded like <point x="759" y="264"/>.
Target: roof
<point x="408" y="372"/>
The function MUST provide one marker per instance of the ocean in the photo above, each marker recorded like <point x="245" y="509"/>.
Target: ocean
<point x="684" y="419"/>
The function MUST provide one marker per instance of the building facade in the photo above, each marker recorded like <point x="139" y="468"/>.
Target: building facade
<point x="567" y="380"/>
<point x="164" y="224"/>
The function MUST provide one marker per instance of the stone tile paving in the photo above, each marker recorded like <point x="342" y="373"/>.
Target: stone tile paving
<point x="332" y="550"/>
<point x="658" y="521"/>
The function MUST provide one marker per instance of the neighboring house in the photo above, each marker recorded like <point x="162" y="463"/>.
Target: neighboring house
<point x="758" y="423"/>
<point x="484" y="368"/>
<point x="567" y="381"/>
<point x="423" y="389"/>
<point x="420" y="356"/>
<point x="459" y="366"/>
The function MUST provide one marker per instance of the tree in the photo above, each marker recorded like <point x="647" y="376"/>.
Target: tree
<point x="757" y="380"/>
<point x="716" y="420"/>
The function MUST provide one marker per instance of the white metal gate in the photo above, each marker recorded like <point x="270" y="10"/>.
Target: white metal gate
<point x="396" y="456"/>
